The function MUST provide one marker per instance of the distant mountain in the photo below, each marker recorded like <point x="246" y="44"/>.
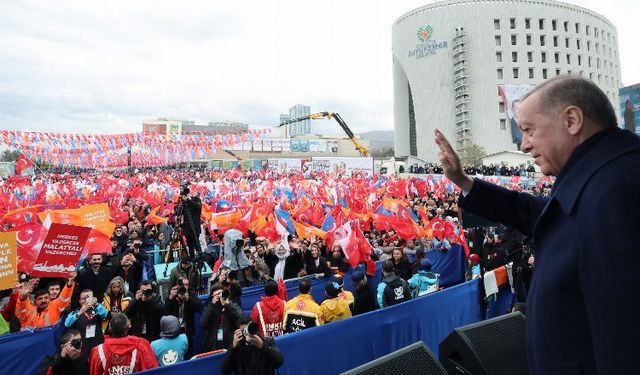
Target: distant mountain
<point x="378" y="138"/>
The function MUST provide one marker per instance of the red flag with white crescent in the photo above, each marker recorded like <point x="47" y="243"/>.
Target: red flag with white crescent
<point x="23" y="163"/>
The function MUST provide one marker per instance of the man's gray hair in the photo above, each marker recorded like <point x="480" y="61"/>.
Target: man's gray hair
<point x="562" y="91"/>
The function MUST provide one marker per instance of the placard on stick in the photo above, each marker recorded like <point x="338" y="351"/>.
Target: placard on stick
<point x="7" y="260"/>
<point x="61" y="250"/>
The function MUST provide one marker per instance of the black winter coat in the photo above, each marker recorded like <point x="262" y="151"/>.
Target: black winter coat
<point x="321" y="268"/>
<point x="192" y="305"/>
<point x="364" y="300"/>
<point x="145" y="316"/>
<point x="250" y="360"/>
<point x="210" y="322"/>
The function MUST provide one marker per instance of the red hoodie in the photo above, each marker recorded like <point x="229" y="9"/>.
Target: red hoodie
<point x="116" y="356"/>
<point x="269" y="314"/>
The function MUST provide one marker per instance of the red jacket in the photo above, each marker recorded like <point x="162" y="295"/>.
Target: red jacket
<point x="116" y="356"/>
<point x="10" y="308"/>
<point x="269" y="314"/>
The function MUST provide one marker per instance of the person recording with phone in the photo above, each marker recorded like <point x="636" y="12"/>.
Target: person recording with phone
<point x="145" y="312"/>
<point x="188" y="213"/>
<point x="183" y="304"/>
<point x="88" y="321"/>
<point x="251" y="353"/>
<point x="68" y="360"/>
<point x="219" y="320"/>
<point x="131" y="268"/>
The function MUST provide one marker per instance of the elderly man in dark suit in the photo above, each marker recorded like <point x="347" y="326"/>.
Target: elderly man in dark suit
<point x="583" y="302"/>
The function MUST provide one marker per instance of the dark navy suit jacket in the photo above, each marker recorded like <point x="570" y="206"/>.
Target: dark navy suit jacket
<point x="583" y="308"/>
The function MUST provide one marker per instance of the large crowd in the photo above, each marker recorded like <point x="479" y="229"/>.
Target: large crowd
<point x="113" y="305"/>
<point x="503" y="169"/>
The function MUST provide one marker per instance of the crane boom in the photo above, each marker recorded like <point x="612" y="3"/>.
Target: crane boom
<point x="329" y="115"/>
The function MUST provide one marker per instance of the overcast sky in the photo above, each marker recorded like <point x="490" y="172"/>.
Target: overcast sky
<point x="105" y="66"/>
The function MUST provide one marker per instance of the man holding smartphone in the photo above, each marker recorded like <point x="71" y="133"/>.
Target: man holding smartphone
<point x="88" y="321"/>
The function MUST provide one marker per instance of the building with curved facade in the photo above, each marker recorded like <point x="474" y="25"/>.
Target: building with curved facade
<point x="454" y="60"/>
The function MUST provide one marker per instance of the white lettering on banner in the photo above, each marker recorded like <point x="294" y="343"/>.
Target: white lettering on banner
<point x="120" y="370"/>
<point x="299" y="322"/>
<point x="273" y="329"/>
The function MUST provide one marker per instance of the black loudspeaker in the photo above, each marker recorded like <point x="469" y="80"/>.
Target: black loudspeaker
<point x="415" y="359"/>
<point x="492" y="347"/>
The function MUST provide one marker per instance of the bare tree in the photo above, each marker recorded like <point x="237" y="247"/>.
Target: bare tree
<point x="9" y="156"/>
<point x="472" y="155"/>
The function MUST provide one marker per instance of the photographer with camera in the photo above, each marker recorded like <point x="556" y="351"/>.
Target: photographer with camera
<point x="188" y="213"/>
<point x="145" y="312"/>
<point x="219" y="320"/>
<point x="183" y="304"/>
<point x="68" y="360"/>
<point x="251" y="353"/>
<point x="185" y="270"/>
<point x="88" y="321"/>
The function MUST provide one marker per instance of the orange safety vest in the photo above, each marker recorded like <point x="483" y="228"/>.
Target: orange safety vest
<point x="28" y="314"/>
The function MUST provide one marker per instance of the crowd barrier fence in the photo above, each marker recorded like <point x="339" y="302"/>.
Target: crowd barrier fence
<point x="371" y="335"/>
<point x="345" y="344"/>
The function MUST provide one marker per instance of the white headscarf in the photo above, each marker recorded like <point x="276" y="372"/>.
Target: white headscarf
<point x="279" y="270"/>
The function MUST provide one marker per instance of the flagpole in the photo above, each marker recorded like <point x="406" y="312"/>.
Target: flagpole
<point x="34" y="164"/>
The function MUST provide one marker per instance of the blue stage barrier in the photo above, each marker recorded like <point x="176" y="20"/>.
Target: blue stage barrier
<point x="450" y="266"/>
<point x="251" y="295"/>
<point x="22" y="352"/>
<point x="502" y="303"/>
<point x="351" y="342"/>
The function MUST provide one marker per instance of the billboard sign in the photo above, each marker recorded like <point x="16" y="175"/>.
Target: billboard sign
<point x="345" y="166"/>
<point x="511" y="95"/>
<point x="317" y="145"/>
<point x="285" y="165"/>
<point x="630" y="108"/>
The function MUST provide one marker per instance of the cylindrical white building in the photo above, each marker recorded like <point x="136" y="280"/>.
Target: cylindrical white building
<point x="451" y="57"/>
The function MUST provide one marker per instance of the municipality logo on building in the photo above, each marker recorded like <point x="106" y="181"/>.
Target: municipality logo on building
<point x="424" y="33"/>
<point x="426" y="44"/>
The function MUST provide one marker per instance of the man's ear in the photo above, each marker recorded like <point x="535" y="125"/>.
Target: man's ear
<point x="573" y="119"/>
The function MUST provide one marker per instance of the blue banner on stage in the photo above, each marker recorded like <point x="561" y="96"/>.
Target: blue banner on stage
<point x="429" y="318"/>
<point x="352" y="342"/>
<point x="21" y="353"/>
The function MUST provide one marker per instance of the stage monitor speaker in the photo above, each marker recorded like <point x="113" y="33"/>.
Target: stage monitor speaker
<point x="492" y="347"/>
<point x="415" y="359"/>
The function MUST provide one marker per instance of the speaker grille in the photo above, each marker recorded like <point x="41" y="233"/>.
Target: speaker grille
<point x="416" y="361"/>
<point x="497" y="342"/>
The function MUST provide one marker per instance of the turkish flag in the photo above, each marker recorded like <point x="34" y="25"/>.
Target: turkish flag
<point x="268" y="230"/>
<point x="97" y="243"/>
<point x="23" y="163"/>
<point x="29" y="238"/>
<point x="365" y="248"/>
<point x="346" y="237"/>
<point x="462" y="240"/>
<point x="404" y="227"/>
<point x="119" y="217"/>
<point x="437" y="225"/>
